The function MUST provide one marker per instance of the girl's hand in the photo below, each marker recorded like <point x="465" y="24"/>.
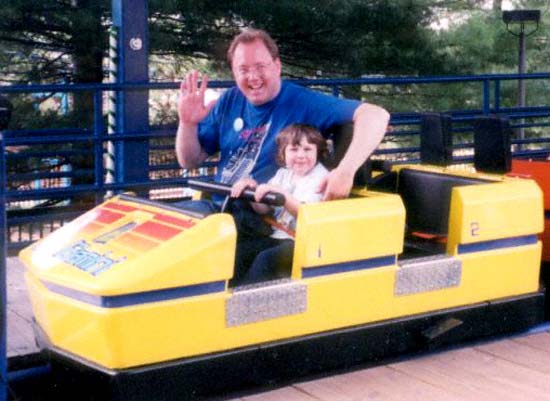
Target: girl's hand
<point x="264" y="189"/>
<point x="244" y="183"/>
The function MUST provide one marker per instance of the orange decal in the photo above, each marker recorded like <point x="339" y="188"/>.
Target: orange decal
<point x="91" y="228"/>
<point x="135" y="242"/>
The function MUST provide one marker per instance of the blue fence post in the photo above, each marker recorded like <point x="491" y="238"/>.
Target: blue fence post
<point x="99" y="130"/>
<point x="3" y="275"/>
<point x="497" y="96"/>
<point x="132" y="110"/>
<point x="486" y="96"/>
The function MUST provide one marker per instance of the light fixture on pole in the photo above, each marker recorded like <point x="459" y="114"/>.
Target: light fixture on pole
<point x="521" y="18"/>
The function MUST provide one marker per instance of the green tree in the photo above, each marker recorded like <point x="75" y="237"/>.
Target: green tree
<point x="343" y="38"/>
<point x="61" y="40"/>
<point x="53" y="41"/>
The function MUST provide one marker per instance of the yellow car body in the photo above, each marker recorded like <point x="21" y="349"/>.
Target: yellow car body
<point x="135" y="283"/>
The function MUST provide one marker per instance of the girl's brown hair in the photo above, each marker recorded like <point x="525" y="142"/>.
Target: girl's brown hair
<point x="293" y="134"/>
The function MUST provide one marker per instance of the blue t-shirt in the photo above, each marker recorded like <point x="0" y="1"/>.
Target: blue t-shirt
<point x="245" y="134"/>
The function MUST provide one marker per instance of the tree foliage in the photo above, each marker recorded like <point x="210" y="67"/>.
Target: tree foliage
<point x="53" y="40"/>
<point x="66" y="40"/>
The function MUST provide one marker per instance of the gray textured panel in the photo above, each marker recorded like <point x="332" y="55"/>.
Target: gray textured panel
<point x="427" y="274"/>
<point x="257" y="303"/>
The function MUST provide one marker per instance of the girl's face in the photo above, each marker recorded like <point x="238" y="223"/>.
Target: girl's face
<point x="301" y="158"/>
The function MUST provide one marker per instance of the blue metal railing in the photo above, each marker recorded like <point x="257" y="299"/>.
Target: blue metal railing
<point x="402" y="142"/>
<point x="30" y="144"/>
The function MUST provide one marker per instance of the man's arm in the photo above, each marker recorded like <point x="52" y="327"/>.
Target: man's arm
<point x="369" y="126"/>
<point x="191" y="111"/>
<point x="188" y="149"/>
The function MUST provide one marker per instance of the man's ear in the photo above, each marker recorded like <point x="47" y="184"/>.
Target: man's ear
<point x="277" y="63"/>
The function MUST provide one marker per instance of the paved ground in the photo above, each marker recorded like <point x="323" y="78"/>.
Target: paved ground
<point x="20" y="334"/>
<point x="516" y="368"/>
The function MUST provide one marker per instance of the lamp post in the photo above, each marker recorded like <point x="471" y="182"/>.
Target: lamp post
<point x="521" y="18"/>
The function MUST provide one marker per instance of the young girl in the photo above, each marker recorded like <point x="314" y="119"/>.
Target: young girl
<point x="300" y="148"/>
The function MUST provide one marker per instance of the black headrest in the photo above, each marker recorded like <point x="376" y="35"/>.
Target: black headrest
<point x="492" y="146"/>
<point x="436" y="140"/>
<point x="341" y="136"/>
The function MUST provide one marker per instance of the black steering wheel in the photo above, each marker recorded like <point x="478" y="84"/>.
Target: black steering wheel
<point x="271" y="198"/>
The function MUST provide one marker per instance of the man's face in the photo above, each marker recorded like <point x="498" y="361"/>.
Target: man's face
<point x="257" y="74"/>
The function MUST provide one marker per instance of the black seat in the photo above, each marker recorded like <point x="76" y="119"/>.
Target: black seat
<point x="427" y="199"/>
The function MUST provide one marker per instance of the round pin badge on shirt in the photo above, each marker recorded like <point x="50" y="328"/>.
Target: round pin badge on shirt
<point x="238" y="124"/>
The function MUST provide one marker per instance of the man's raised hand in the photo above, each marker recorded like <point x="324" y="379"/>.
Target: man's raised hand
<point x="191" y="107"/>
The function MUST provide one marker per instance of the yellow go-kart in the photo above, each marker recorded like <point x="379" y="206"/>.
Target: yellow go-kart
<point x="134" y="294"/>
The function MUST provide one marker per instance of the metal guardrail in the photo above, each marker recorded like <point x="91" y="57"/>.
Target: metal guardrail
<point x="57" y="195"/>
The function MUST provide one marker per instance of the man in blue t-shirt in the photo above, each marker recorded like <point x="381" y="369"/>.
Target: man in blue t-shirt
<point x="243" y="124"/>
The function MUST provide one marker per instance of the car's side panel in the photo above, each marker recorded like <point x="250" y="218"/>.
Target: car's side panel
<point x="346" y="273"/>
<point x="495" y="211"/>
<point x="350" y="230"/>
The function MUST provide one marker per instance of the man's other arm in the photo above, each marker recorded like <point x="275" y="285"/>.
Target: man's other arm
<point x="369" y="126"/>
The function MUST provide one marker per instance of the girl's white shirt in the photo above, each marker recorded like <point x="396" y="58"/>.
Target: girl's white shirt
<point x="304" y="189"/>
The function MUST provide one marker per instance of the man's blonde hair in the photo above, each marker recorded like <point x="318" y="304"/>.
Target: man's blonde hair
<point x="249" y="35"/>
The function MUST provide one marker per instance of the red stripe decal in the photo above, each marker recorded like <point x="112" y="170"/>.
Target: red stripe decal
<point x="106" y="216"/>
<point x="156" y="230"/>
<point x="188" y="223"/>
<point x="122" y="208"/>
